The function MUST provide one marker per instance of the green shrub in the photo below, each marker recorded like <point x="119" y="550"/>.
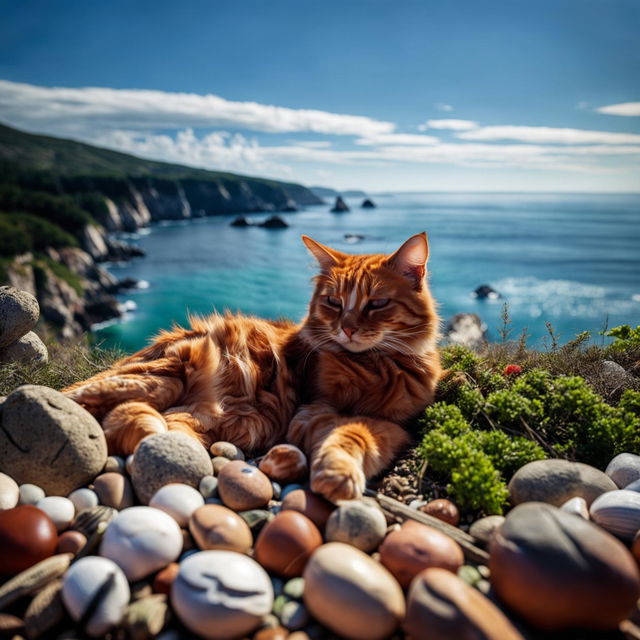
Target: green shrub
<point x="624" y="337"/>
<point x="22" y="232"/>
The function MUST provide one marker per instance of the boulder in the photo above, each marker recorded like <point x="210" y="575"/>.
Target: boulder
<point x="48" y="440"/>
<point x="274" y="222"/>
<point x="559" y="571"/>
<point x="486" y="292"/>
<point x="368" y="204"/>
<point x="466" y="329"/>
<point x="240" y="221"/>
<point x="19" y="312"/>
<point x="340" y="206"/>
<point x="28" y="348"/>
<point x="555" y="481"/>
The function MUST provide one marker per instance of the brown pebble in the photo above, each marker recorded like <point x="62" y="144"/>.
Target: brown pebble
<point x="299" y="635"/>
<point x="242" y="486"/>
<point x="277" y="633"/>
<point x="27" y="536"/>
<point x="188" y="542"/>
<point x="223" y="449"/>
<point x="285" y="464"/>
<point x="164" y="579"/>
<point x="71" y="542"/>
<point x="216" y="527"/>
<point x="310" y="504"/>
<point x="11" y="626"/>
<point x="285" y="543"/>
<point x="444" y="510"/>
<point x="114" y="490"/>
<point x="416" y="547"/>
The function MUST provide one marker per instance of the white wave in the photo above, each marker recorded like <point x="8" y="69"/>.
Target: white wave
<point x="142" y="284"/>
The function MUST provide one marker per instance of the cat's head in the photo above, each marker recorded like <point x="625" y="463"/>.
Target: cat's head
<point x="372" y="302"/>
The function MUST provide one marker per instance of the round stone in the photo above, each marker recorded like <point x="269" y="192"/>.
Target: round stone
<point x="243" y="487"/>
<point x="577" y="506"/>
<point x="310" y="504"/>
<point x="221" y="594"/>
<point x="226" y="450"/>
<point x="483" y="529"/>
<point x="216" y="527"/>
<point x="27" y="536"/>
<point x="60" y="510"/>
<point x="141" y="540"/>
<point x="559" y="571"/>
<point x="415" y="547"/>
<point x="63" y="448"/>
<point x="218" y="463"/>
<point x="87" y="579"/>
<point x="9" y="492"/>
<point x="208" y="487"/>
<point x="624" y="469"/>
<point x="19" y="312"/>
<point x="71" y="542"/>
<point x="284" y="463"/>
<point x="114" y="490"/>
<point x="444" y="510"/>
<point x="294" y="615"/>
<point x="352" y="594"/>
<point x="178" y="500"/>
<point x="294" y="588"/>
<point x="555" y="481"/>
<point x="28" y="349"/>
<point x="83" y="499"/>
<point x="165" y="458"/>
<point x="30" y="494"/>
<point x="165" y="578"/>
<point x="285" y="544"/>
<point x="440" y="605"/>
<point x="114" y="464"/>
<point x="618" y="512"/>
<point x="359" y="523"/>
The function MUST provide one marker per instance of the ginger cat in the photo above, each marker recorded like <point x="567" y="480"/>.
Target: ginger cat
<point x="339" y="385"/>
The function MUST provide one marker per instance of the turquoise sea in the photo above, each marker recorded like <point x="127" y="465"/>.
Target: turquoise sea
<point x="571" y="260"/>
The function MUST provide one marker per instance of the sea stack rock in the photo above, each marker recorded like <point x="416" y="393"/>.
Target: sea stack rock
<point x="340" y="206"/>
<point x="19" y="312"/>
<point x="466" y="329"/>
<point x="274" y="222"/>
<point x="240" y="221"/>
<point x="486" y="292"/>
<point x="368" y="204"/>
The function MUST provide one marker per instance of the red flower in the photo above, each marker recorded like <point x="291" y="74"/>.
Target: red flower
<point x="512" y="370"/>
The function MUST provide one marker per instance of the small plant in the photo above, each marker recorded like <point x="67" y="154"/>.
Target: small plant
<point x="624" y="337"/>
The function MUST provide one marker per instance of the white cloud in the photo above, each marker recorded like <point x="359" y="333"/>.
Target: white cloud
<point x="441" y="106"/>
<point x="548" y="135"/>
<point x="397" y="138"/>
<point x="88" y="108"/>
<point x="452" y="124"/>
<point x="622" y="109"/>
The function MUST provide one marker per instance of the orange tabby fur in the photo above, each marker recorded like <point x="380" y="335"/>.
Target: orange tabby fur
<point x="339" y="385"/>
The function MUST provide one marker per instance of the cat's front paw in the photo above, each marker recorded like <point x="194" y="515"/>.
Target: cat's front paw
<point x="337" y="476"/>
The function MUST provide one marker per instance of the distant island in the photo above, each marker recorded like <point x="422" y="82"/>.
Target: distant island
<point x="327" y="192"/>
<point x="60" y="199"/>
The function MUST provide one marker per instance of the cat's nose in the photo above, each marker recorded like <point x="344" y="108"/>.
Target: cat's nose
<point x="349" y="331"/>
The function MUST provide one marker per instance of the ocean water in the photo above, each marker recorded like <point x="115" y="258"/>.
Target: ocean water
<point x="571" y="260"/>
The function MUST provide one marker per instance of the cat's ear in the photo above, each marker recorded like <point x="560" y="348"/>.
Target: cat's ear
<point x="411" y="259"/>
<point x="327" y="257"/>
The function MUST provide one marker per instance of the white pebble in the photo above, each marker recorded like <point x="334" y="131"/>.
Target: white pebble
<point x="178" y="500"/>
<point x="83" y="499"/>
<point x="221" y="594"/>
<point x="624" y="469"/>
<point x="9" y="492"/>
<point x="81" y="584"/>
<point x="59" y="509"/>
<point x="577" y="506"/>
<point x="30" y="494"/>
<point x="141" y="540"/>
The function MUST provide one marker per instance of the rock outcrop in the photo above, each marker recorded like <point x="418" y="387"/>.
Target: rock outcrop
<point x="340" y="206"/>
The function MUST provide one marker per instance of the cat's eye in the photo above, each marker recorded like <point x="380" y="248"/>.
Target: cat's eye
<point x="378" y="303"/>
<point x="334" y="302"/>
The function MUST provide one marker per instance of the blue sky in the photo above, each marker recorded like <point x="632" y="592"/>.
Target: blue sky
<point x="424" y="95"/>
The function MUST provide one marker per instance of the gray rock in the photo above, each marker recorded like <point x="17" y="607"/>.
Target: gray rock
<point x="555" y="481"/>
<point x="483" y="529"/>
<point x="357" y="522"/>
<point x="28" y="348"/>
<point x="30" y="494"/>
<point x="19" y="312"/>
<point x="466" y="329"/>
<point x="624" y="469"/>
<point x="49" y="440"/>
<point x="168" y="457"/>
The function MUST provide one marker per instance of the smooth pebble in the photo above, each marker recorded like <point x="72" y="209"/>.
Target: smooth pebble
<point x="81" y="584"/>
<point x="483" y="529"/>
<point x="577" y="506"/>
<point x="141" y="540"/>
<point x="178" y="500"/>
<point x="227" y="450"/>
<point x="284" y="463"/>
<point x="221" y="594"/>
<point x="357" y="522"/>
<point x="9" y="492"/>
<point x="624" y="469"/>
<point x="114" y="464"/>
<point x="83" y="499"/>
<point x="217" y="527"/>
<point x="59" y="509"/>
<point x="30" y="494"/>
<point x="208" y="487"/>
<point x="294" y="615"/>
<point x="618" y="512"/>
<point x="243" y="487"/>
<point x="114" y="490"/>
